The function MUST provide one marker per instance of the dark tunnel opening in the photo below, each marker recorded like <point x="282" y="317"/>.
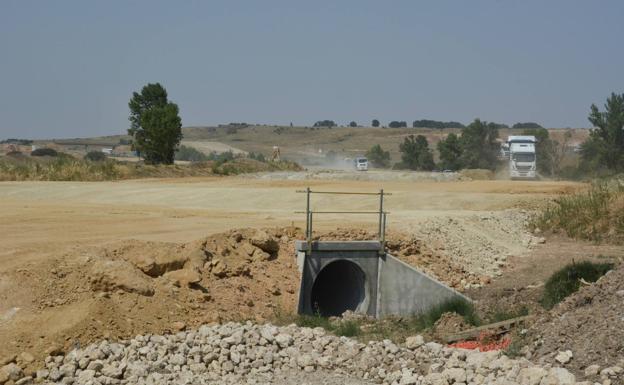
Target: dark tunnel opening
<point x="339" y="287"/>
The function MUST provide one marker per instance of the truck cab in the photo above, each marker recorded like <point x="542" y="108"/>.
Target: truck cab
<point x="522" y="157"/>
<point x="361" y="163"/>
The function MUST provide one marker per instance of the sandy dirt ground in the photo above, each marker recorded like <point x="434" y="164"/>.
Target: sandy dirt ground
<point x="208" y="147"/>
<point x="54" y="232"/>
<point x="44" y="217"/>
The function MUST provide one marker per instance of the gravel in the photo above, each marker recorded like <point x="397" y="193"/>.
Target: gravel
<point x="480" y="243"/>
<point x="235" y="353"/>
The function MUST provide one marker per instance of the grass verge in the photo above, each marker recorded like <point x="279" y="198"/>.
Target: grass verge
<point x="596" y="214"/>
<point x="393" y="328"/>
<point x="67" y="168"/>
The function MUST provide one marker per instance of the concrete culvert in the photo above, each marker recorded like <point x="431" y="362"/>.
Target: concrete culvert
<point x="339" y="287"/>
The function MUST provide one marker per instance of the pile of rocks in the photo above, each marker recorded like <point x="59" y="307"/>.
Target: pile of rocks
<point x="479" y="243"/>
<point x="247" y="353"/>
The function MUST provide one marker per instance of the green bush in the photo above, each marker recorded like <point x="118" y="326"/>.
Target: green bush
<point x="347" y="329"/>
<point x="95" y="156"/>
<point x="221" y="157"/>
<point x="313" y="321"/>
<point x="378" y="157"/>
<point x="259" y="157"/>
<point x="190" y="154"/>
<point x="455" y="305"/>
<point x="568" y="280"/>
<point x="44" y="152"/>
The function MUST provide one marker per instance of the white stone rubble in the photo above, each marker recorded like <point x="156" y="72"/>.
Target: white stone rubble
<point x="236" y="353"/>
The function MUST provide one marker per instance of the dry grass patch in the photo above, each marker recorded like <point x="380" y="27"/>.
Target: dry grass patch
<point x="596" y="214"/>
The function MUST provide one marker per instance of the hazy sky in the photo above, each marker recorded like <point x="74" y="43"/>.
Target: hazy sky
<point x="68" y="68"/>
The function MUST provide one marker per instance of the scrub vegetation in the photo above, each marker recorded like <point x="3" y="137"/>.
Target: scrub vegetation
<point x="568" y="280"/>
<point x="596" y="214"/>
<point x="67" y="168"/>
<point x="393" y="328"/>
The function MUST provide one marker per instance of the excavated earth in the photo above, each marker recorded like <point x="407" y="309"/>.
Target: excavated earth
<point x="590" y="325"/>
<point x="130" y="287"/>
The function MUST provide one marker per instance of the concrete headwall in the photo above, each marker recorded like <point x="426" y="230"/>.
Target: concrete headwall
<point x="355" y="275"/>
<point x="404" y="290"/>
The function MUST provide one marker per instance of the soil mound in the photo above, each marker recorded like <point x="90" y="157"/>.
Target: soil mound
<point x="129" y="287"/>
<point x="589" y="323"/>
<point x="448" y="324"/>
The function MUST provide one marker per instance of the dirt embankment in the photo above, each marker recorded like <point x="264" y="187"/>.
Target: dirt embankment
<point x="130" y="287"/>
<point x="589" y="324"/>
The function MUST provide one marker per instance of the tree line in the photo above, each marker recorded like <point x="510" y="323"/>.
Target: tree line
<point x="424" y="123"/>
<point x="156" y="131"/>
<point x="475" y="147"/>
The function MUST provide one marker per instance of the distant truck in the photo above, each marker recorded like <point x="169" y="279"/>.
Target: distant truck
<point x="522" y="157"/>
<point x="361" y="163"/>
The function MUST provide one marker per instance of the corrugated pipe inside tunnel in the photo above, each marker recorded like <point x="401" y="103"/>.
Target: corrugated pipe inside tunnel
<point x="339" y="287"/>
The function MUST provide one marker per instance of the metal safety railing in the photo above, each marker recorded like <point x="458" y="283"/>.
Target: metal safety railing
<point x="310" y="213"/>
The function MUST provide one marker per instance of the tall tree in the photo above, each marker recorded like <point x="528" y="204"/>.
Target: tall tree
<point x="375" y="123"/>
<point x="549" y="152"/>
<point x="163" y="126"/>
<point x="155" y="124"/>
<point x="479" y="146"/>
<point x="325" y="123"/>
<point x="397" y="124"/>
<point x="378" y="157"/>
<point x="606" y="142"/>
<point x="450" y="152"/>
<point x="415" y="153"/>
<point x="544" y="149"/>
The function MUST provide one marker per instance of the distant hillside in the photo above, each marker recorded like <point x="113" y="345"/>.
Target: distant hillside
<point x="306" y="145"/>
<point x="309" y="144"/>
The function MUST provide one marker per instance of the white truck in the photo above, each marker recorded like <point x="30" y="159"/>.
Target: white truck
<point x="522" y="157"/>
<point x="361" y="163"/>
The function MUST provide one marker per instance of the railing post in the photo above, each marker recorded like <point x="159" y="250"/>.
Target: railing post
<point x="381" y="197"/>
<point x="308" y="220"/>
<point x="310" y="236"/>
<point x="383" y="234"/>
